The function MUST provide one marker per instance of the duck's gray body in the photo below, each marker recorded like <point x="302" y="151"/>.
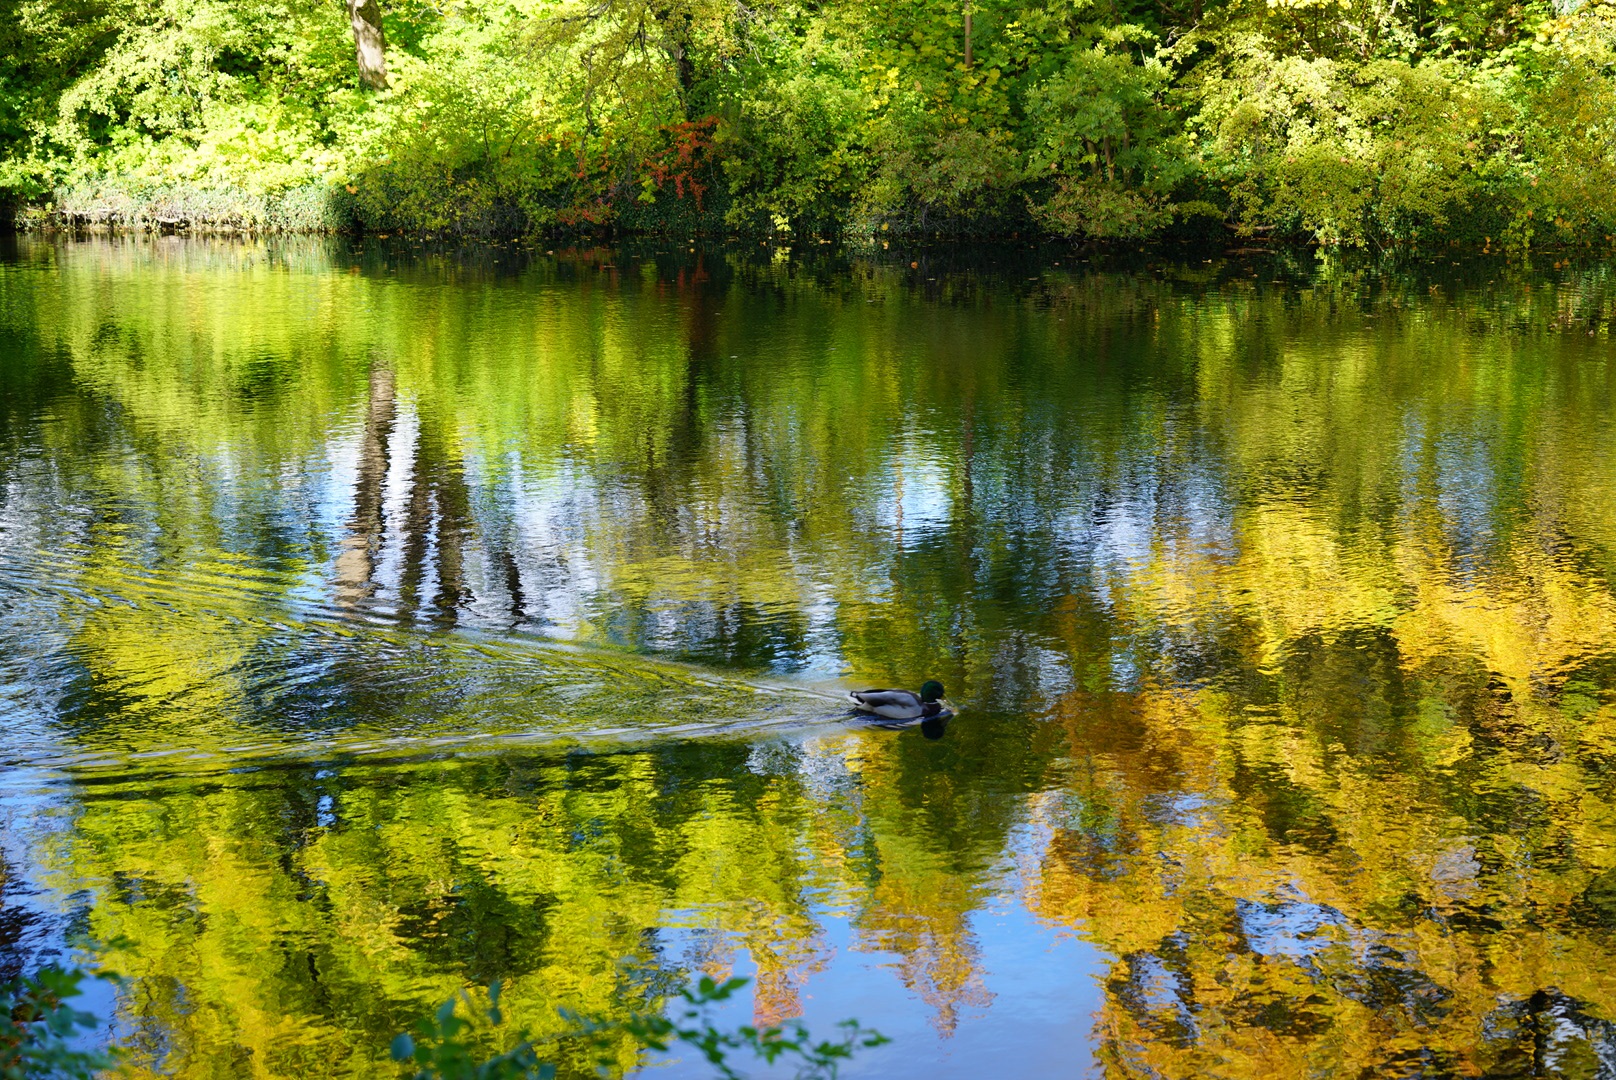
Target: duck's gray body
<point x="894" y="704"/>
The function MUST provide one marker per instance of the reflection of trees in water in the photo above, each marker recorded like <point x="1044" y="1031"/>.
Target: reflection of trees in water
<point x="1302" y="1012"/>
<point x="1303" y="878"/>
<point x="939" y="958"/>
<point x="18" y="925"/>
<point x="1248" y="939"/>
<point x="1241" y="949"/>
<point x="1245" y="945"/>
<point x="1319" y="722"/>
<point x="437" y="524"/>
<point x="356" y="558"/>
<point x="339" y="901"/>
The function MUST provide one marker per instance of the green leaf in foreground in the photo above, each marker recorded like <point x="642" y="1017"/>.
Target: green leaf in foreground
<point x="37" y="1026"/>
<point x="444" y="1046"/>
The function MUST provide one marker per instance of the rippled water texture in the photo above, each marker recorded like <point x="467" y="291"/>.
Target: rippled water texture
<point x="377" y="622"/>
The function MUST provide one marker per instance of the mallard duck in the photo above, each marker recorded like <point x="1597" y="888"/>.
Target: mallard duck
<point x="902" y="704"/>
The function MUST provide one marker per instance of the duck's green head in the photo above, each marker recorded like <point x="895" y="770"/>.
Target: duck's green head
<point x="932" y="691"/>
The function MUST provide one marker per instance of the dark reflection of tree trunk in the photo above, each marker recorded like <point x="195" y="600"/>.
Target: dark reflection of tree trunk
<point x="513" y="582"/>
<point x="356" y="561"/>
<point x="15" y="923"/>
<point x="666" y="477"/>
<point x="965" y="517"/>
<point x="437" y="522"/>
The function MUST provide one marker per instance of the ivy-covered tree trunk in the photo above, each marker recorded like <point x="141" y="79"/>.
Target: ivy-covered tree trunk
<point x="370" y="48"/>
<point x="677" y="26"/>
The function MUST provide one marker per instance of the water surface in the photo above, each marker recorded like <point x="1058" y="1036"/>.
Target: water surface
<point x="379" y="621"/>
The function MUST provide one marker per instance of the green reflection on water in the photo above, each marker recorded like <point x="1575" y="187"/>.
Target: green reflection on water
<point x="1279" y="616"/>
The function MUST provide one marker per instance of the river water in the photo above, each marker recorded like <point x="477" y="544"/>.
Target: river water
<point x="379" y="621"/>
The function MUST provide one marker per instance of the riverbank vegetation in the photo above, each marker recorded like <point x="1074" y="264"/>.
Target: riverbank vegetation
<point x="1358" y="123"/>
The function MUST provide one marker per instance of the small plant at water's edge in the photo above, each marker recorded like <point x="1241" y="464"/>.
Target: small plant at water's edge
<point x="37" y="1026"/>
<point x="445" y="1048"/>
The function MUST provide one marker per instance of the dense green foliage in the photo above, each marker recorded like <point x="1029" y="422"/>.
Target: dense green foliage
<point x="37" y="1026"/>
<point x="1351" y="122"/>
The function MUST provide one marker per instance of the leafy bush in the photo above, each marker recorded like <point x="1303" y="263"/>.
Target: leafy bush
<point x="37" y="1026"/>
<point x="1108" y="142"/>
<point x="1356" y="154"/>
<point x="448" y="1046"/>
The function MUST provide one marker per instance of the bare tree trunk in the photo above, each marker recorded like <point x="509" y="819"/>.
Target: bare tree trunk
<point x="370" y="48"/>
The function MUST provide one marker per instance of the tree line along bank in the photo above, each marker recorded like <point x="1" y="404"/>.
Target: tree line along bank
<point x="1378" y="124"/>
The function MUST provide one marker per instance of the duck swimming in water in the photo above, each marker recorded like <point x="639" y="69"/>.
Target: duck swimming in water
<point x="903" y="704"/>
